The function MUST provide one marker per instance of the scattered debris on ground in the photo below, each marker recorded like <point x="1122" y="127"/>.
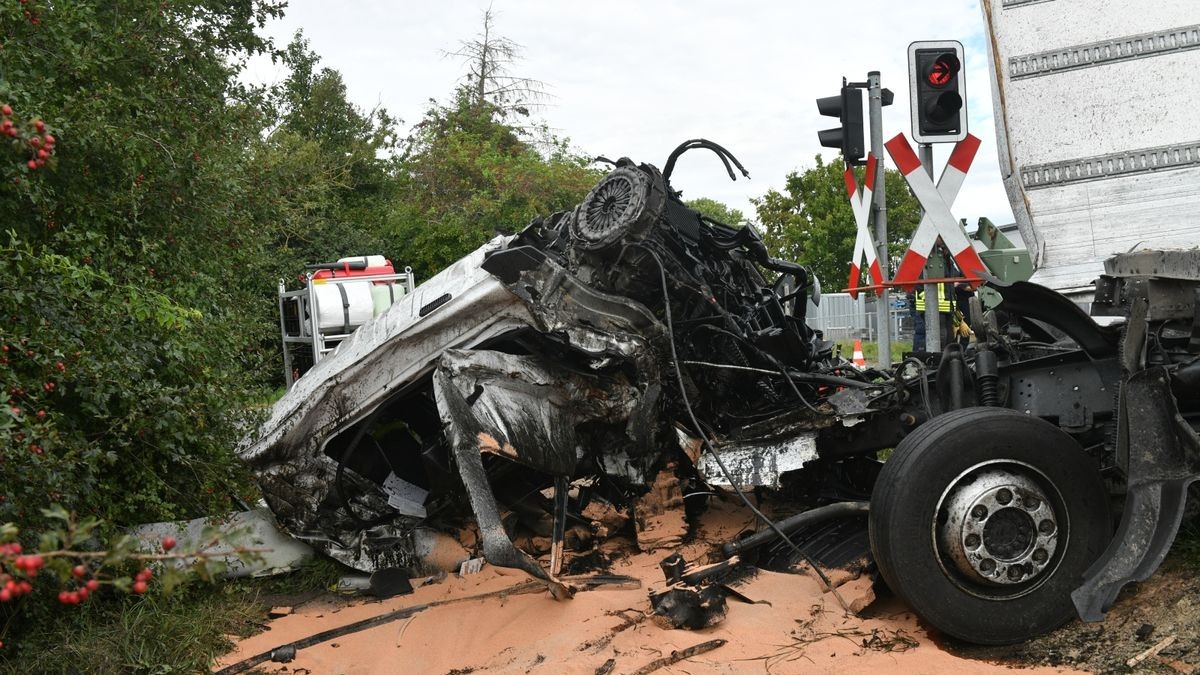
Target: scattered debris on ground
<point x="502" y="622"/>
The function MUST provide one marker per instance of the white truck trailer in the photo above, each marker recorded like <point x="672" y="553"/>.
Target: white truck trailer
<point x="1098" y="128"/>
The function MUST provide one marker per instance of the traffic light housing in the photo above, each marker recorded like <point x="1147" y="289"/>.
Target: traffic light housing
<point x="847" y="107"/>
<point x="937" y="91"/>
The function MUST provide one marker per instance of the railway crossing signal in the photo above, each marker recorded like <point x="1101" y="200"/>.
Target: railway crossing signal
<point x="938" y="220"/>
<point x="847" y="107"/>
<point x="937" y="91"/>
<point x="864" y="244"/>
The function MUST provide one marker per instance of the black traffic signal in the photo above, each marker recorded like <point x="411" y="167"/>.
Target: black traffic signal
<point x="937" y="91"/>
<point x="847" y="107"/>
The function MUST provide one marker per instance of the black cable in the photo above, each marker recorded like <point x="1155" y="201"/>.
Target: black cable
<point x="662" y="270"/>
<point x="924" y="382"/>
<point x="719" y="151"/>
<point x="774" y="362"/>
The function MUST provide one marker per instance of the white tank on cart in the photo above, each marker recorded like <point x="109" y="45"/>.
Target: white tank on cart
<point x="342" y="307"/>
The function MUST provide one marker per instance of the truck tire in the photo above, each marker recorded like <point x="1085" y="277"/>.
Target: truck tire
<point x="984" y="520"/>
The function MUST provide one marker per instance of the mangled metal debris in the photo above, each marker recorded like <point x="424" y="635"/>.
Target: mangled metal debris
<point x="590" y="381"/>
<point x="545" y="357"/>
<point x="693" y="597"/>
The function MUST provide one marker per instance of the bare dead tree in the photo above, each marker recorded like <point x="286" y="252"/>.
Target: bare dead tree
<point x="489" y="58"/>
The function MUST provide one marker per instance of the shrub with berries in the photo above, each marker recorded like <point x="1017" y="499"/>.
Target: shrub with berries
<point x="68" y="563"/>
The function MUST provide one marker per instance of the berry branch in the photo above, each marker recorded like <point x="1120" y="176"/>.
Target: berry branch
<point x="81" y="571"/>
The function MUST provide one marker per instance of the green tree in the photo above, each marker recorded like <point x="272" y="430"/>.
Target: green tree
<point x="718" y="211"/>
<point x="134" y="263"/>
<point x="466" y="176"/>
<point x="328" y="165"/>
<point x="811" y="220"/>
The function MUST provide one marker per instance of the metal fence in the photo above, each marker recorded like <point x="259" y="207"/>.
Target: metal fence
<point x="841" y="317"/>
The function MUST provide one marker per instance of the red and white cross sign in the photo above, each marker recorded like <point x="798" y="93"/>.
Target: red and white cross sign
<point x="938" y="220"/>
<point x="860" y="203"/>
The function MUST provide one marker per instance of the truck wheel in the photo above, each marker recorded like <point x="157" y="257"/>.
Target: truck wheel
<point x="984" y="520"/>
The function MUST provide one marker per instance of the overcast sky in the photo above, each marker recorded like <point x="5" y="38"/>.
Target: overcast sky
<point x="637" y="78"/>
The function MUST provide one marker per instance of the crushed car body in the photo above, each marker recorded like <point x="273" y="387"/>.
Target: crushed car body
<point x="549" y="350"/>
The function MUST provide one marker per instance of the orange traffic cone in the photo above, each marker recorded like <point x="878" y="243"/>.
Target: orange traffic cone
<point x="858" y="359"/>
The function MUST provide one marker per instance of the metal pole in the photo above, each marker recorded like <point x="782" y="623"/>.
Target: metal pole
<point x="933" y="324"/>
<point x="287" y="356"/>
<point x="882" y="315"/>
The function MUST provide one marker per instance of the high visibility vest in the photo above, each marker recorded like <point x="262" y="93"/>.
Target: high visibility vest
<point x="943" y="302"/>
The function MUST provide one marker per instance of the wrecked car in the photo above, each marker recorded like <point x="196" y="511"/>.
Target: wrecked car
<point x="611" y="367"/>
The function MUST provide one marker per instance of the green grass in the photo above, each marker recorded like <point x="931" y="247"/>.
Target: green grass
<point x="871" y="350"/>
<point x="181" y="633"/>
<point x="316" y="574"/>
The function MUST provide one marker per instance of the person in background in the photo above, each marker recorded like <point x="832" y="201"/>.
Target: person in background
<point x="962" y="310"/>
<point x="945" y="320"/>
<point x="918" y="322"/>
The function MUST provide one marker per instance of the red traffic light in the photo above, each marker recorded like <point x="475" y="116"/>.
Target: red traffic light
<point x="937" y="91"/>
<point x="944" y="68"/>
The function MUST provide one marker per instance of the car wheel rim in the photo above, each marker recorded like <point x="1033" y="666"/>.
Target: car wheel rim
<point x="1000" y="529"/>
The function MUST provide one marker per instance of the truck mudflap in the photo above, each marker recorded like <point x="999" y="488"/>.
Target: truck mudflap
<point x="1164" y="459"/>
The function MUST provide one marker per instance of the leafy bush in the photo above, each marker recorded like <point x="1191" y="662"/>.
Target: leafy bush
<point x="120" y="401"/>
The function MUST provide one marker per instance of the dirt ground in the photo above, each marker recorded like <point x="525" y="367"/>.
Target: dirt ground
<point x="786" y="624"/>
<point x="1166" y="608"/>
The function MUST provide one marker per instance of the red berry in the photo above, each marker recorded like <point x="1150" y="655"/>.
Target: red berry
<point x="50" y="140"/>
<point x="168" y="543"/>
<point x="145" y="574"/>
<point x="40" y="162"/>
<point x="35" y="449"/>
<point x="7" y="109"/>
<point x="64" y="597"/>
<point x="140" y="587"/>
<point x="16" y="412"/>
<point x="62" y="367"/>
<point x="5" y="595"/>
<point x="35" y="141"/>
<point x="25" y="587"/>
<point x="82" y="593"/>
<point x="32" y="164"/>
<point x="92" y="585"/>
<point x="15" y="547"/>
<point x="42" y="154"/>
<point x="79" y="571"/>
<point x="40" y="126"/>
<point x="41" y="414"/>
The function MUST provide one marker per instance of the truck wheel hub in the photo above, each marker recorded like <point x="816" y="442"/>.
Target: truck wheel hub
<point x="997" y="526"/>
